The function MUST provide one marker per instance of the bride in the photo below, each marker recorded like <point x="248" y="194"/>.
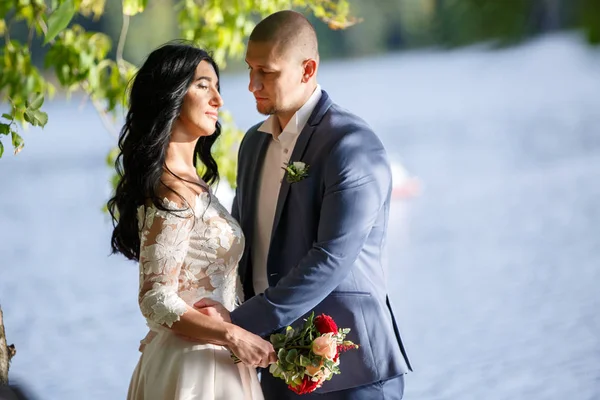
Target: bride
<point x="185" y="241"/>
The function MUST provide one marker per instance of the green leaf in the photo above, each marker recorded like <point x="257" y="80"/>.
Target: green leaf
<point x="289" y="332"/>
<point x="291" y="356"/>
<point x="28" y="117"/>
<point x="329" y="364"/>
<point x="1" y="149"/>
<point x="297" y="379"/>
<point x="37" y="102"/>
<point x="281" y="354"/>
<point x="132" y="7"/>
<point x="36" y="117"/>
<point x="59" y="19"/>
<point x="275" y="370"/>
<point x="42" y="117"/>
<point x="17" y="142"/>
<point x="278" y="340"/>
<point x="304" y="361"/>
<point x="4" y="129"/>
<point x="7" y="116"/>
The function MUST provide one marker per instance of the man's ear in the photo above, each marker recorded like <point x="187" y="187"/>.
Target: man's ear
<point x="310" y="69"/>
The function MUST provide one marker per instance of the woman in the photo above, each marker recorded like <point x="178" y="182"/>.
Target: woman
<point x="186" y="243"/>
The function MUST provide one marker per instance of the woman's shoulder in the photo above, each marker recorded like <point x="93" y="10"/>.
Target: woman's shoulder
<point x="176" y="199"/>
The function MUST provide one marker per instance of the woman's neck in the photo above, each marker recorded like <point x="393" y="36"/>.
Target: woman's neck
<point x="180" y="152"/>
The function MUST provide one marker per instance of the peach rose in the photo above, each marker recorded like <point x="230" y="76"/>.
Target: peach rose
<point x="325" y="346"/>
<point x="312" y="371"/>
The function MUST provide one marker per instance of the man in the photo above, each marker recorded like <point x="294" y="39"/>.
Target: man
<point x="317" y="242"/>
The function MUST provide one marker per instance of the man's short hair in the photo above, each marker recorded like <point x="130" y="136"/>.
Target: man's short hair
<point x="288" y="30"/>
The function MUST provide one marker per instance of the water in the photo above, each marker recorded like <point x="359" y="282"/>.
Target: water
<point x="494" y="267"/>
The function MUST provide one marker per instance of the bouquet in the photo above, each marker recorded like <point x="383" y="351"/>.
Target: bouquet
<point x="309" y="356"/>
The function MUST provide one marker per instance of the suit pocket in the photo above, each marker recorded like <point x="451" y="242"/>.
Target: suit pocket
<point x="302" y="185"/>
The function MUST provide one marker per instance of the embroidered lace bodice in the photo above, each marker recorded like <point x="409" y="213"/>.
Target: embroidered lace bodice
<point x="187" y="255"/>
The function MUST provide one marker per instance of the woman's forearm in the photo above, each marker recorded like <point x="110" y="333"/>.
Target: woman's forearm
<point x="195" y="325"/>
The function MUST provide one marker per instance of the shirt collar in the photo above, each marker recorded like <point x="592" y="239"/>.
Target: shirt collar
<point x="297" y="122"/>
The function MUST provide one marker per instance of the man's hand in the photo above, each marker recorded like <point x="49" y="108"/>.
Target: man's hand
<point x="213" y="309"/>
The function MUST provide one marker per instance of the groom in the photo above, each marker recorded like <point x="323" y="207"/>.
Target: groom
<point x="314" y="243"/>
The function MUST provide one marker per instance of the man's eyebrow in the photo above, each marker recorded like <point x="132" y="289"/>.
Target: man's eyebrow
<point x="260" y="65"/>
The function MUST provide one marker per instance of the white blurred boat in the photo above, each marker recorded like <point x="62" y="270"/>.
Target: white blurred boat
<point x="404" y="186"/>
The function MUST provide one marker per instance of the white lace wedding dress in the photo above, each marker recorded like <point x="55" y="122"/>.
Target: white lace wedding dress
<point x="183" y="258"/>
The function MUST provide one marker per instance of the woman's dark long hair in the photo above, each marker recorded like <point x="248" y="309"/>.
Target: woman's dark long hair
<point x="155" y="100"/>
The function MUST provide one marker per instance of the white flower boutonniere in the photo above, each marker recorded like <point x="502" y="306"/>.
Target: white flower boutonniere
<point x="296" y="171"/>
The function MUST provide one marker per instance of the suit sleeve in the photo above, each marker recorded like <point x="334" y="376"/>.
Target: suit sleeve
<point x="357" y="184"/>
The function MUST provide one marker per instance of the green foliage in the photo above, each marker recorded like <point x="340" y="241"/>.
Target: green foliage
<point x="78" y="59"/>
<point x="59" y="20"/>
<point x="590" y="15"/>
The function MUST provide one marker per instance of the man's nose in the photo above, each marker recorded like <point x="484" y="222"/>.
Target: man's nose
<point x="255" y="82"/>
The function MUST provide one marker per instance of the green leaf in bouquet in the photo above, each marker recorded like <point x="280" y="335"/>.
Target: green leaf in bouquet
<point x="297" y="379"/>
<point x="289" y="366"/>
<point x="309" y="321"/>
<point x="289" y="333"/>
<point x="275" y="370"/>
<point x="345" y="331"/>
<point x="305" y="361"/>
<point x="281" y="354"/>
<point x="330" y="365"/>
<point x="315" y="362"/>
<point x="278" y="340"/>
<point x="291" y="356"/>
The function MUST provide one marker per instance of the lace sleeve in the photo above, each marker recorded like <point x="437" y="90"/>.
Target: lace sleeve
<point x="164" y="244"/>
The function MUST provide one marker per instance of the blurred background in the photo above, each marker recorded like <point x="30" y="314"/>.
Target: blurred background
<point x="490" y="112"/>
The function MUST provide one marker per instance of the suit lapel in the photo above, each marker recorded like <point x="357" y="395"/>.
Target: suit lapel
<point x="299" y="150"/>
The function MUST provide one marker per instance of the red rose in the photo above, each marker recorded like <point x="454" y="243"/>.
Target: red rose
<point x="325" y="324"/>
<point x="307" y="386"/>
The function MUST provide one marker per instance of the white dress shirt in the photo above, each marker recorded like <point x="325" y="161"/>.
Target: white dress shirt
<point x="279" y="150"/>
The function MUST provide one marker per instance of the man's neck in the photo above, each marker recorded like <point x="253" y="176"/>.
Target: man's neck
<point x="285" y="117"/>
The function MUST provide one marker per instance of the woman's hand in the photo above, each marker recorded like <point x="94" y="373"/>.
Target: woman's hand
<point x="249" y="348"/>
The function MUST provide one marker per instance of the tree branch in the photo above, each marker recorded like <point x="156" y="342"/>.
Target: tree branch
<point x="122" y="38"/>
<point x="101" y="111"/>
<point x="6" y="353"/>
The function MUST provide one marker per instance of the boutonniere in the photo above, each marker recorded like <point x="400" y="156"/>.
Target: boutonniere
<point x="296" y="171"/>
